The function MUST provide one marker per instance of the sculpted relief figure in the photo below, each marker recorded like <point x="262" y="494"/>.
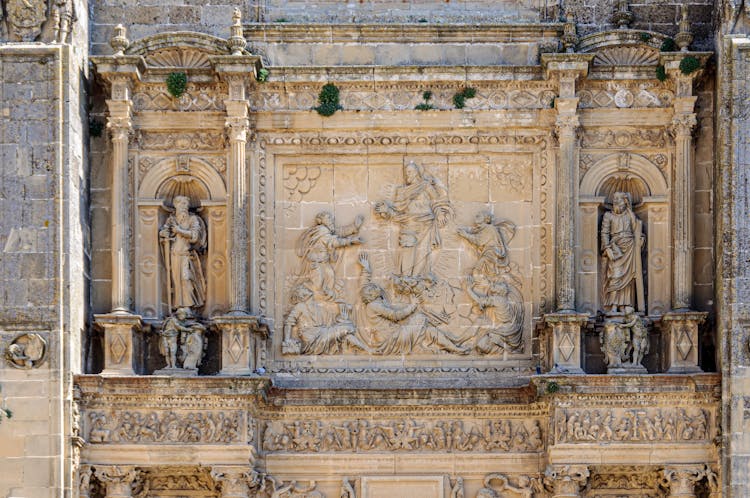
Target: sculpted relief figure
<point x="622" y="241"/>
<point x="497" y="302"/>
<point x="182" y="339"/>
<point x="316" y="326"/>
<point x="318" y="247"/>
<point x="421" y="208"/>
<point x="624" y="340"/>
<point x="402" y="328"/>
<point x="183" y="237"/>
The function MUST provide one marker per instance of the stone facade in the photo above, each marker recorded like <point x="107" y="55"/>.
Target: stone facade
<point x="425" y="249"/>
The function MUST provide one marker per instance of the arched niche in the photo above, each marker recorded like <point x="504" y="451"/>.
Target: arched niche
<point x="198" y="180"/>
<point x="647" y="185"/>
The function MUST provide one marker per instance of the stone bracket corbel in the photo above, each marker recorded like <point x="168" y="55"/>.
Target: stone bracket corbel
<point x="240" y="337"/>
<point x="119" y="350"/>
<point x="565" y="342"/>
<point x="680" y="340"/>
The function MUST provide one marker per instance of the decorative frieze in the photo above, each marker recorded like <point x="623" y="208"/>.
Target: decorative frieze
<point x="361" y="435"/>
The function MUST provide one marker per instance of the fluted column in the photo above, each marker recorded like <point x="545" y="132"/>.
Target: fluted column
<point x="680" y="480"/>
<point x="682" y="127"/>
<point x="118" y="479"/>
<point x="120" y="126"/>
<point x="238" y="126"/>
<point x="566" y="129"/>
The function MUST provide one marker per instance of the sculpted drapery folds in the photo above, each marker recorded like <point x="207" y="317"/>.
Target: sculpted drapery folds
<point x="403" y="328"/>
<point x="182" y="339"/>
<point x="318" y="248"/>
<point x="421" y="207"/>
<point x="622" y="240"/>
<point x="183" y="237"/>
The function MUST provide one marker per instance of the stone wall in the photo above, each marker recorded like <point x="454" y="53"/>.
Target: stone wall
<point x="43" y="259"/>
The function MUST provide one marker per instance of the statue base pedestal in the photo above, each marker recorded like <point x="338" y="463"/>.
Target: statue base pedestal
<point x="119" y="329"/>
<point x="628" y="370"/>
<point x="177" y="372"/>
<point x="238" y="343"/>
<point x="680" y="340"/>
<point x="564" y="345"/>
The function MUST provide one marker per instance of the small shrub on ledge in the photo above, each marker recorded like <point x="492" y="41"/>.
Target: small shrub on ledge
<point x="425" y="106"/>
<point x="176" y="84"/>
<point x="661" y="73"/>
<point x="262" y="75"/>
<point x="328" y="100"/>
<point x="668" y="45"/>
<point x="689" y="65"/>
<point x="459" y="99"/>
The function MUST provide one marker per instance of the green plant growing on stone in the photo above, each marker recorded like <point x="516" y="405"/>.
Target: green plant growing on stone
<point x="459" y="99"/>
<point x="645" y="37"/>
<point x="668" y="45"/>
<point x="262" y="75"/>
<point x="281" y="19"/>
<point x="422" y="20"/>
<point x="425" y="106"/>
<point x="4" y="412"/>
<point x="552" y="387"/>
<point x="176" y="84"/>
<point x="328" y="100"/>
<point x="689" y="65"/>
<point x="661" y="73"/>
<point x="96" y="127"/>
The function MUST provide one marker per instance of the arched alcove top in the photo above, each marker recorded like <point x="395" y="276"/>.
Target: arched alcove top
<point x="646" y="42"/>
<point x="178" y="39"/>
<point x="163" y="171"/>
<point x="613" y="164"/>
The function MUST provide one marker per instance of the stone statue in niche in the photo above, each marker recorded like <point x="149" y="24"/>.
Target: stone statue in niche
<point x="183" y="238"/>
<point x="318" y="248"/>
<point x="622" y="241"/>
<point x="318" y="326"/>
<point x="497" y="303"/>
<point x="421" y="208"/>
<point x="404" y="328"/>
<point x="182" y="340"/>
<point x="624" y="341"/>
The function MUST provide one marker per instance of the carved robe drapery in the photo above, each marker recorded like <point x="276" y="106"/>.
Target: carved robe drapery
<point x="185" y="236"/>
<point x="622" y="240"/>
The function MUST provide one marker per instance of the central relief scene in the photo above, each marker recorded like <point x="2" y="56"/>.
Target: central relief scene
<point x="408" y="260"/>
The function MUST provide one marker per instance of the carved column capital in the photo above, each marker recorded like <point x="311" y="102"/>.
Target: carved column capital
<point x="118" y="479"/>
<point x="565" y="481"/>
<point x="237" y="128"/>
<point x="233" y="480"/>
<point x="567" y="126"/>
<point x="680" y="480"/>
<point x="85" y="472"/>
<point x="682" y="125"/>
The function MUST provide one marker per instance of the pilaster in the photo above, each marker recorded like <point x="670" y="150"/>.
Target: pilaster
<point x="118" y="479"/>
<point x="119" y="351"/>
<point x="565" y="341"/>
<point x="567" y="69"/>
<point x="680" y="335"/>
<point x="238" y="343"/>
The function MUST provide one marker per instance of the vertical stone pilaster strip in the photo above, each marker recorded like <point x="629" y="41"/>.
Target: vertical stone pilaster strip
<point x="238" y="126"/>
<point x="120" y="125"/>
<point x="682" y="127"/>
<point x="566" y="128"/>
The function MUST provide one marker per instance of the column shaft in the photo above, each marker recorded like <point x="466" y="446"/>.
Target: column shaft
<point x="238" y="217"/>
<point x="119" y="220"/>
<point x="683" y="209"/>
<point x="567" y="183"/>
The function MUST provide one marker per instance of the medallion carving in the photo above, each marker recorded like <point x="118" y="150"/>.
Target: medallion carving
<point x="26" y="351"/>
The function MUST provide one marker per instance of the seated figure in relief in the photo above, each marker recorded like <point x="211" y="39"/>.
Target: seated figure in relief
<point x="404" y="327"/>
<point x="316" y="326"/>
<point x="499" y="326"/>
<point x="622" y="241"/>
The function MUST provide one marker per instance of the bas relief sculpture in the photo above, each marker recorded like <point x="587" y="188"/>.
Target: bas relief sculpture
<point x="408" y="312"/>
<point x="182" y="339"/>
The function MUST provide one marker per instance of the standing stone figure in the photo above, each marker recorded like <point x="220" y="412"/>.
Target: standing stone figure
<point x="183" y="238"/>
<point x="624" y="341"/>
<point x="421" y="207"/>
<point x="489" y="237"/>
<point x="622" y="241"/>
<point x="318" y="247"/>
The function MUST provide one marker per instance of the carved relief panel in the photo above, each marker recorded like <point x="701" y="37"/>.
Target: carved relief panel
<point x="387" y="254"/>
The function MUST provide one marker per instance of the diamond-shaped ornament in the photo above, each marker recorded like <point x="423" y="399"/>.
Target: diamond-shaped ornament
<point x="235" y="347"/>
<point x="684" y="344"/>
<point x="117" y="348"/>
<point x="566" y="346"/>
